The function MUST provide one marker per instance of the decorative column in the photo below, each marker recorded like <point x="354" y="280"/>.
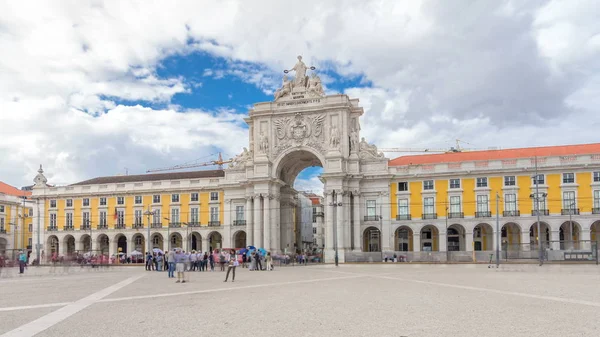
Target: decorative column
<point x="443" y="241"/>
<point x="525" y="241"/>
<point x="205" y="243"/>
<point x="585" y="240"/>
<point x="347" y="226"/>
<point x="276" y="228"/>
<point x="469" y="241"/>
<point x="258" y="239"/>
<point x="340" y="224"/>
<point x="357" y="222"/>
<point x="227" y="224"/>
<point x="249" y="223"/>
<point x="554" y="237"/>
<point x="328" y="209"/>
<point x="268" y="203"/>
<point x="385" y="222"/>
<point x="417" y="241"/>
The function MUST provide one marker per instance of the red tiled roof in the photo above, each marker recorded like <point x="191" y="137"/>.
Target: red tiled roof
<point x="10" y="190"/>
<point x="153" y="177"/>
<point x="543" y="151"/>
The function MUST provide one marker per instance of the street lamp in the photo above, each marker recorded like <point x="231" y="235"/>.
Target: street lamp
<point x="149" y="213"/>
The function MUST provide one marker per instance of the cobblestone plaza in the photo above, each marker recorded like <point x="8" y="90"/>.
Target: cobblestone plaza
<point x="386" y="300"/>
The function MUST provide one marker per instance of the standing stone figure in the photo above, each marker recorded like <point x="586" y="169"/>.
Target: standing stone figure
<point x="263" y="145"/>
<point x="300" y="69"/>
<point x="334" y="139"/>
<point x="353" y="140"/>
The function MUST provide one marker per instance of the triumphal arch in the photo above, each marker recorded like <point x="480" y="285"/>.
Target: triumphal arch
<point x="304" y="127"/>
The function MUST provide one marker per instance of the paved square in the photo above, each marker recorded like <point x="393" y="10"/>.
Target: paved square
<point x="350" y="300"/>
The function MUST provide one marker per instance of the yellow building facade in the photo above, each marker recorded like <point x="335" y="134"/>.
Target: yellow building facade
<point x="16" y="216"/>
<point x="457" y="202"/>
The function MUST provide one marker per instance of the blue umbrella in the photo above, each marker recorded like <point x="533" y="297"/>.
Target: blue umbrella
<point x="251" y="247"/>
<point x="262" y="251"/>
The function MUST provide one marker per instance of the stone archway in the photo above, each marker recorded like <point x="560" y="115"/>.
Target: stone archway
<point x="53" y="246"/>
<point x="102" y="244"/>
<point x="176" y="241"/>
<point x="595" y="233"/>
<point x="239" y="239"/>
<point x="483" y="237"/>
<point x="455" y="238"/>
<point x="404" y="239"/>
<point x="121" y="244"/>
<point x="196" y="240"/>
<point x="533" y="235"/>
<point x="3" y="244"/>
<point x="86" y="243"/>
<point x="570" y="235"/>
<point x="372" y="240"/>
<point x="215" y="241"/>
<point x="156" y="240"/>
<point x="69" y="244"/>
<point x="139" y="243"/>
<point x="511" y="237"/>
<point x="430" y="239"/>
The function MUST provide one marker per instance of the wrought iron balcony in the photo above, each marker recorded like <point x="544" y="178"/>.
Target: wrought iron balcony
<point x="567" y="211"/>
<point x="85" y="227"/>
<point x="486" y="214"/>
<point x="239" y="222"/>
<point x="429" y="216"/>
<point x="214" y="223"/>
<point x="137" y="226"/>
<point x="541" y="211"/>
<point x="596" y="210"/>
<point x="104" y="226"/>
<point x="69" y="228"/>
<point x="318" y="214"/>
<point x="120" y="226"/>
<point x="2" y="231"/>
<point x="456" y="215"/>
<point x="156" y="225"/>
<point x="175" y="224"/>
<point x="372" y="217"/>
<point x="403" y="217"/>
<point x="511" y="213"/>
<point x="194" y="224"/>
<point x="52" y="229"/>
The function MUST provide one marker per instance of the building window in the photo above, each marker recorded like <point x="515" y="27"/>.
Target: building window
<point x="597" y="200"/>
<point x="194" y="215"/>
<point x="175" y="215"/>
<point x="428" y="206"/>
<point x="403" y="208"/>
<point x="568" y="178"/>
<point x="31" y="212"/>
<point x="314" y="230"/>
<point x="428" y="185"/>
<point x="510" y="202"/>
<point x="156" y="217"/>
<point x="102" y="201"/>
<point x="120" y="217"/>
<point x="482" y="204"/>
<point x="541" y="202"/>
<point x="138" y="217"/>
<point x="138" y="200"/>
<point x="194" y="197"/>
<point x="69" y="220"/>
<point x="1" y="208"/>
<point x="120" y="200"/>
<point x="156" y="199"/>
<point x="30" y="242"/>
<point x="86" y="202"/>
<point x="239" y="213"/>
<point x="174" y="197"/>
<point x="214" y="196"/>
<point x="569" y="200"/>
<point x="539" y="179"/>
<point x="102" y="221"/>
<point x="2" y="225"/>
<point x="371" y="208"/>
<point x="53" y="220"/>
<point x="482" y="182"/>
<point x="455" y="204"/>
<point x="314" y="214"/>
<point x="52" y="203"/>
<point x="214" y="213"/>
<point x="138" y="240"/>
<point x="30" y="228"/>
<point x="597" y="177"/>
<point x="69" y="202"/>
<point x="86" y="219"/>
<point x="510" y="181"/>
<point x="454" y="183"/>
<point x="403" y="186"/>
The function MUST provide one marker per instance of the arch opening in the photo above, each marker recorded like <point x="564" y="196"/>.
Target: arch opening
<point x="102" y="244"/>
<point x="483" y="237"/>
<point x="196" y="241"/>
<point x="215" y="241"/>
<point x="239" y="239"/>
<point x="371" y="240"/>
<point x="429" y="239"/>
<point x="533" y="235"/>
<point x="510" y="235"/>
<point x="403" y="239"/>
<point x="455" y="238"/>
<point x="569" y="235"/>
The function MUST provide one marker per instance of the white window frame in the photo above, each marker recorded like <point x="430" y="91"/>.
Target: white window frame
<point x="85" y="202"/>
<point x="427" y="204"/>
<point x="214" y="214"/>
<point x="214" y="196"/>
<point x="567" y="201"/>
<point x="69" y="203"/>
<point x="85" y="219"/>
<point x="450" y="181"/>
<point x="239" y="213"/>
<point x="405" y="183"/>
<point x="596" y="195"/>
<point x="156" y="218"/>
<point x="426" y="185"/>
<point x="68" y="220"/>
<point x="508" y="202"/>
<point x="371" y="205"/>
<point x="174" y="198"/>
<point x="156" y="198"/>
<point x="455" y="206"/>
<point x="483" y="205"/>
<point x="120" y="200"/>
<point x="194" y="215"/>
<point x="120" y="217"/>
<point x="596" y="176"/>
<point x="138" y="200"/>
<point x="138" y="217"/>
<point x="53" y="220"/>
<point x="53" y="203"/>
<point x="102" y="218"/>
<point x="175" y="218"/>
<point x="197" y="197"/>
<point x="510" y="182"/>
<point x="403" y="207"/>
<point x="102" y="201"/>
<point x="483" y="181"/>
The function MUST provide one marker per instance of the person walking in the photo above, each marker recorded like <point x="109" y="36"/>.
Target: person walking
<point x="171" y="258"/>
<point x="159" y="262"/>
<point x="22" y="262"/>
<point x="233" y="262"/>
<point x="269" y="260"/>
<point x="179" y="266"/>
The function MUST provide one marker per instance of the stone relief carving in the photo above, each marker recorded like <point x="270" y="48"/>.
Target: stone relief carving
<point x="334" y="138"/>
<point x="369" y="151"/>
<point x="263" y="144"/>
<point x="239" y="162"/>
<point x="353" y="140"/>
<point x="299" y="131"/>
<point x="302" y="86"/>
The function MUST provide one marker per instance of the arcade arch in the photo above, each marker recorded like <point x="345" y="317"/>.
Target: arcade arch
<point x="372" y="240"/>
<point x="215" y="241"/>
<point x="533" y="235"/>
<point x="196" y="241"/>
<point x="483" y="237"/>
<point x="239" y="239"/>
<point x="102" y="243"/>
<point x="511" y="236"/>
<point x="569" y="235"/>
<point x="403" y="239"/>
<point x="455" y="238"/>
<point x="53" y="245"/>
<point x="69" y="242"/>
<point x="429" y="238"/>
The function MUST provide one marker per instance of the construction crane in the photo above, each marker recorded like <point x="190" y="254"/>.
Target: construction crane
<point x="218" y="162"/>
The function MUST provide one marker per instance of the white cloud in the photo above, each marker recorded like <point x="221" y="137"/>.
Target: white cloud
<point x="311" y="184"/>
<point x="494" y="73"/>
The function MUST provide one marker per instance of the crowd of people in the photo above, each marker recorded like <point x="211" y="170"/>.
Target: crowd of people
<point x="179" y="261"/>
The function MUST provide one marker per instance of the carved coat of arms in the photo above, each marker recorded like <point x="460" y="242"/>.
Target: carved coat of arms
<point x="298" y="130"/>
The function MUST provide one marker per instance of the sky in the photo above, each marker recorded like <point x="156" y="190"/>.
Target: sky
<point x="96" y="88"/>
